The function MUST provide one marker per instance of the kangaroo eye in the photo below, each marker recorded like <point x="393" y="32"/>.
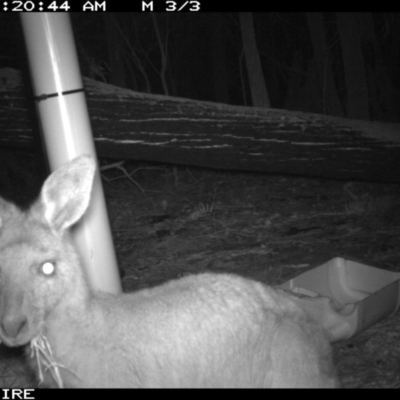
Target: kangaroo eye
<point x="48" y="268"/>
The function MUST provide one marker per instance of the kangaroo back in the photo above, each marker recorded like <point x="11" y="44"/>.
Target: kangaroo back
<point x="206" y="330"/>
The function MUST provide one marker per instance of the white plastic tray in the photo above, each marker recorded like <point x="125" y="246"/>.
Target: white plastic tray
<point x="346" y="297"/>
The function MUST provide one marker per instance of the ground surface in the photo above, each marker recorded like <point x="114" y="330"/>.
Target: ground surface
<point x="170" y="221"/>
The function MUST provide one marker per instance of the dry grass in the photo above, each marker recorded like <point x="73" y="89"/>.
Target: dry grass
<point x="41" y="351"/>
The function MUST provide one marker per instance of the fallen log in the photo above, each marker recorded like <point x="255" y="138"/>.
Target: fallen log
<point x="138" y="126"/>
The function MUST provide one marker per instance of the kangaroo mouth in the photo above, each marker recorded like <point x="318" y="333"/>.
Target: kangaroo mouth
<point x="13" y="342"/>
<point x="22" y="339"/>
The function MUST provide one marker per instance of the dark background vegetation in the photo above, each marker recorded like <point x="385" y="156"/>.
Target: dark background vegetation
<point x="343" y="64"/>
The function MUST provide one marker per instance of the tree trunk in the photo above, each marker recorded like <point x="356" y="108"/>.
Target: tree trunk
<point x="116" y="62"/>
<point x="320" y="69"/>
<point x="354" y="66"/>
<point x="258" y="88"/>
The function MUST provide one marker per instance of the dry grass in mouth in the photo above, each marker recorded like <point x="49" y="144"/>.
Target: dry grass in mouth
<point x="40" y="348"/>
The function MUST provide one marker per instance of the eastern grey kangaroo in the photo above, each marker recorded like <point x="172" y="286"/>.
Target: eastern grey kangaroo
<point x="206" y="330"/>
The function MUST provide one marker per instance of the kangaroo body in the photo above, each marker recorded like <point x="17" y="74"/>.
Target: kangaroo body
<point x="206" y="330"/>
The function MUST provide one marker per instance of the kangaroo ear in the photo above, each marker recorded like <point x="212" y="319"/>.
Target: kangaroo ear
<point x="65" y="194"/>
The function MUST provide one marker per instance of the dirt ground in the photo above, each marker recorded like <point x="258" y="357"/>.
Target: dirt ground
<point x="170" y="221"/>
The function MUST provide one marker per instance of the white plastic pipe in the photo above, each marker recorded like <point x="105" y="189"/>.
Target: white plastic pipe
<point x="67" y="133"/>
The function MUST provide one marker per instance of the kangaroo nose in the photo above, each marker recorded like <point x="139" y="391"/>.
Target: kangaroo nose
<point x="12" y="326"/>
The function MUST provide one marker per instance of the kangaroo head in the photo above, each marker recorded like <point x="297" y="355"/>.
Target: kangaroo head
<point x="39" y="268"/>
